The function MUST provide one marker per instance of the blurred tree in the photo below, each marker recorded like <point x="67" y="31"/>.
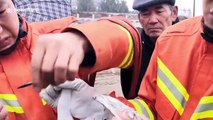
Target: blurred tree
<point x="117" y="6"/>
<point x="123" y="7"/>
<point x="86" y="6"/>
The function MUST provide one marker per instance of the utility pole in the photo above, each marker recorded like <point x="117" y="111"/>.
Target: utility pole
<point x="71" y="7"/>
<point x="194" y="8"/>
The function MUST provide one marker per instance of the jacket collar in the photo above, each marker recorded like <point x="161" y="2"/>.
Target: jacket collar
<point x="207" y="33"/>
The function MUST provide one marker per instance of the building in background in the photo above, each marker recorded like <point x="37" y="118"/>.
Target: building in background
<point x="185" y="12"/>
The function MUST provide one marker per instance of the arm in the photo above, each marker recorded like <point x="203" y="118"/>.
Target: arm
<point x="109" y="40"/>
<point x="145" y="102"/>
<point x="112" y="40"/>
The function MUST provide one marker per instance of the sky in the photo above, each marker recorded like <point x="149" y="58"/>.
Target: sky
<point x="182" y="4"/>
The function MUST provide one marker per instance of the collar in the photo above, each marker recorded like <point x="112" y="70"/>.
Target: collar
<point x="207" y="33"/>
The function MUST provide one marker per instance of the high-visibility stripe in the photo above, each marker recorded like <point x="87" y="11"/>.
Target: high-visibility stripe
<point x="18" y="110"/>
<point x="8" y="97"/>
<point x="202" y="115"/>
<point x="129" y="57"/>
<point x="204" y="109"/>
<point x="43" y="101"/>
<point x="170" y="95"/>
<point x="150" y="114"/>
<point x="171" y="87"/>
<point x="142" y="108"/>
<point x="10" y="102"/>
<point x="206" y="100"/>
<point x="136" y="106"/>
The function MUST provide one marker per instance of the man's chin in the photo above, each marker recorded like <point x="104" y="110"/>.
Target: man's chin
<point x="154" y="36"/>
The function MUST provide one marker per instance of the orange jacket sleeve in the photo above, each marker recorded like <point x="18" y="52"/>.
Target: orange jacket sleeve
<point x="112" y="40"/>
<point x="37" y="28"/>
<point x="145" y="102"/>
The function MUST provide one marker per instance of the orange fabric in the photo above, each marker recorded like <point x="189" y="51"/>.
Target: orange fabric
<point x="15" y="70"/>
<point x="121" y="99"/>
<point x="189" y="57"/>
<point x="108" y="45"/>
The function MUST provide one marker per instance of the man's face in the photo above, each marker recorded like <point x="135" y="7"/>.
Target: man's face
<point x="208" y="13"/>
<point x="9" y="24"/>
<point x="156" y="19"/>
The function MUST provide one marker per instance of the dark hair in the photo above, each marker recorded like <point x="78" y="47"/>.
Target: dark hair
<point x="13" y="2"/>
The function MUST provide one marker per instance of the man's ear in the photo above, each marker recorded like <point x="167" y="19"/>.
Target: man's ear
<point x="174" y="13"/>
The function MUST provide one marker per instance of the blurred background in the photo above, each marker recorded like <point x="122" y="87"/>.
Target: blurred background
<point x="89" y="10"/>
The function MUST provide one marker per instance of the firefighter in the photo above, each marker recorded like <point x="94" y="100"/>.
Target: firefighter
<point x="154" y="16"/>
<point x="178" y="83"/>
<point x="17" y="42"/>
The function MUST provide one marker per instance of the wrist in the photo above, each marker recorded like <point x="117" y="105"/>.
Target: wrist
<point x="82" y="39"/>
<point x="89" y="53"/>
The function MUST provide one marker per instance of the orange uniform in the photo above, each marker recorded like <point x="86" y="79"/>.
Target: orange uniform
<point x="15" y="70"/>
<point x="178" y="83"/>
<point x="114" y="46"/>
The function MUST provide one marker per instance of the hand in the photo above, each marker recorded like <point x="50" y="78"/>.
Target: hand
<point x="3" y="112"/>
<point x="57" y="57"/>
<point x="77" y="99"/>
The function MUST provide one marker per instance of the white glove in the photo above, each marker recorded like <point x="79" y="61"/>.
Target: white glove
<point x="77" y="99"/>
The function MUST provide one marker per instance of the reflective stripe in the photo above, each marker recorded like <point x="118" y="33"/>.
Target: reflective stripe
<point x="18" y="110"/>
<point x="150" y="114"/>
<point x="43" y="101"/>
<point x="142" y="108"/>
<point x="171" y="87"/>
<point x="137" y="107"/>
<point x="206" y="100"/>
<point x="204" y="109"/>
<point x="11" y="103"/>
<point x="128" y="58"/>
<point x="8" y="96"/>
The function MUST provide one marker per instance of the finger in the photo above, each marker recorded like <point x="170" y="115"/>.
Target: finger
<point x="76" y="84"/>
<point x="74" y="64"/>
<point x="3" y="114"/>
<point x="61" y="65"/>
<point x="37" y="59"/>
<point x="1" y="106"/>
<point x="47" y="68"/>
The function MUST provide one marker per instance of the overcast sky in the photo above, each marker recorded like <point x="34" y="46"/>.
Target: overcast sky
<point x="182" y="4"/>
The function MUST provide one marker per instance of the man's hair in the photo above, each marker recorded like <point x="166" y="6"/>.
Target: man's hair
<point x="170" y="7"/>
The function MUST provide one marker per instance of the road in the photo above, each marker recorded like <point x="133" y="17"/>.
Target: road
<point x="108" y="80"/>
